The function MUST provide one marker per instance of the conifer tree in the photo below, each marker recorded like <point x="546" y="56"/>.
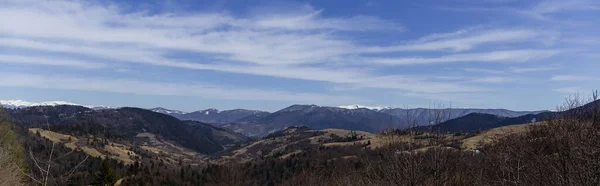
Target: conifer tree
<point x="106" y="176"/>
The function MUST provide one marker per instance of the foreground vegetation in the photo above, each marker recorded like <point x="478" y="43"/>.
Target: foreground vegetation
<point x="11" y="151"/>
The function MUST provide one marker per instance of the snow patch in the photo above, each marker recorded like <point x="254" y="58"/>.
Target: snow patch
<point x="23" y="104"/>
<point x="362" y="106"/>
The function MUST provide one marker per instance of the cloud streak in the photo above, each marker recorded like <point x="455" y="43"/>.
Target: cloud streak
<point x="495" y="56"/>
<point x="137" y="87"/>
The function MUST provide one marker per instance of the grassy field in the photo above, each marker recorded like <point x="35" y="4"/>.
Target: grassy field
<point x="274" y="146"/>
<point x="68" y="140"/>
<point x="488" y="136"/>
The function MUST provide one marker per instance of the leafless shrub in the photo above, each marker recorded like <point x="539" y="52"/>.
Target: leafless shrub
<point x="9" y="172"/>
<point x="41" y="173"/>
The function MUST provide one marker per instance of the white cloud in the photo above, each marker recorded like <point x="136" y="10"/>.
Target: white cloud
<point x="496" y="56"/>
<point x="514" y="69"/>
<point x="47" y="61"/>
<point x="462" y="40"/>
<point x="487" y="71"/>
<point x="532" y="69"/>
<point x="130" y="86"/>
<point x="493" y="79"/>
<point x="553" y="6"/>
<point x="574" y="78"/>
<point x="568" y="90"/>
<point x="544" y="9"/>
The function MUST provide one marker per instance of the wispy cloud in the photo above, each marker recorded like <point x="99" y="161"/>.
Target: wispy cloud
<point x="462" y="40"/>
<point x="568" y="90"/>
<point x="130" y="86"/>
<point x="487" y="71"/>
<point x="496" y="56"/>
<point x="574" y="78"/>
<point x="239" y="45"/>
<point x="493" y="79"/>
<point x="532" y="69"/>
<point x="514" y="69"/>
<point x="544" y="8"/>
<point x="40" y="60"/>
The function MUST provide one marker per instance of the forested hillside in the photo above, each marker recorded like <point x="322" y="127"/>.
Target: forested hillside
<point x="125" y="124"/>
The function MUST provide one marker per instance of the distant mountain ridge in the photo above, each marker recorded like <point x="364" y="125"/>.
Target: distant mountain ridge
<point x="352" y="117"/>
<point x="217" y="116"/>
<point x="482" y="121"/>
<point x="368" y="119"/>
<point x="12" y="104"/>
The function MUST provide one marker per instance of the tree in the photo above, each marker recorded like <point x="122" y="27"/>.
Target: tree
<point x="106" y="176"/>
<point x="182" y="173"/>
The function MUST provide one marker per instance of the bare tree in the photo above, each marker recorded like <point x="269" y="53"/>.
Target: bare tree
<point x="45" y="173"/>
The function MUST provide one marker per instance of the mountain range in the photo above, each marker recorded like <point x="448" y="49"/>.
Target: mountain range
<point x="354" y="117"/>
<point x="256" y="123"/>
<point x="212" y="115"/>
<point x="12" y="104"/>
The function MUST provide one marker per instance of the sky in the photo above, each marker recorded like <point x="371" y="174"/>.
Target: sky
<point x="266" y="55"/>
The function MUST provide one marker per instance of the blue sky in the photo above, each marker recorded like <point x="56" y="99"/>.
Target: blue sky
<point x="191" y="55"/>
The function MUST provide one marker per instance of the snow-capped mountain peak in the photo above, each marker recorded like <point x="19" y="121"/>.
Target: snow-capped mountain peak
<point x="356" y="106"/>
<point x="22" y="104"/>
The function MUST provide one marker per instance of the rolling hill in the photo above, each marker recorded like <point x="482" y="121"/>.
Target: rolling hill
<point x="126" y="123"/>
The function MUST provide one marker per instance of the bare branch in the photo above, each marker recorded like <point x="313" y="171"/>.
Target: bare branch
<point x="22" y="172"/>
<point x="72" y="171"/>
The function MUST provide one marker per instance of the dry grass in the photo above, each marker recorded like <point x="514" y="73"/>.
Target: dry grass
<point x="53" y="136"/>
<point x="175" y="153"/>
<point x="290" y="154"/>
<point x="372" y="141"/>
<point x="120" y="152"/>
<point x="489" y="136"/>
<point x="64" y="138"/>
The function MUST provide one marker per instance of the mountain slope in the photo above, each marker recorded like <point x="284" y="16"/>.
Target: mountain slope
<point x="476" y="121"/>
<point x="370" y="119"/>
<point x="212" y="115"/>
<point x="424" y="116"/>
<point x="124" y="123"/>
<point x="318" y="117"/>
<point x="469" y="123"/>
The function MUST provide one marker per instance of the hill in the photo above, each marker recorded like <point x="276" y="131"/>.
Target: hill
<point x="478" y="121"/>
<point x="124" y="124"/>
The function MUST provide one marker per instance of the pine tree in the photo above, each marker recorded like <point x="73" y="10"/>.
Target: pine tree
<point x="106" y="176"/>
<point x="182" y="173"/>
